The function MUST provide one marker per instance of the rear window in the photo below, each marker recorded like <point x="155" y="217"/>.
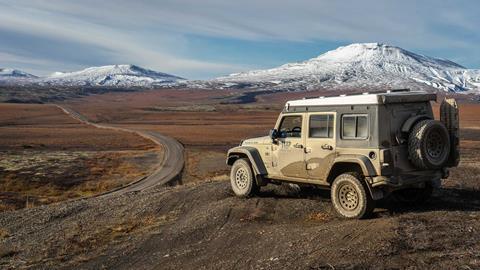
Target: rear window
<point x="354" y="127"/>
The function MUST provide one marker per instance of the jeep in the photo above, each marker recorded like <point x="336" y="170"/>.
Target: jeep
<point x="362" y="147"/>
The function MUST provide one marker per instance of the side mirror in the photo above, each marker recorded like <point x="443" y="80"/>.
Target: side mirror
<point x="273" y="134"/>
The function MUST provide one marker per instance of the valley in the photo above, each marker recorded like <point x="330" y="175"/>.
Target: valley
<point x="200" y="223"/>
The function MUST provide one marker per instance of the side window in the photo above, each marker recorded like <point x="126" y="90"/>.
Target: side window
<point x="355" y="127"/>
<point x="321" y="126"/>
<point x="291" y="126"/>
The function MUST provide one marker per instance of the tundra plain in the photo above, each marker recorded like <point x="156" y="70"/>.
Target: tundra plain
<point x="200" y="224"/>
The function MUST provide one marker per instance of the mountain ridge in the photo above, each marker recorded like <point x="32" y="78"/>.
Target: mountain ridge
<point x="7" y="73"/>
<point x="354" y="66"/>
<point x="361" y="65"/>
<point x="106" y="76"/>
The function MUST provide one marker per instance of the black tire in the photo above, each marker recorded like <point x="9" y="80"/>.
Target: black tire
<point x="242" y="179"/>
<point x="413" y="196"/>
<point x="429" y="145"/>
<point x="350" y="197"/>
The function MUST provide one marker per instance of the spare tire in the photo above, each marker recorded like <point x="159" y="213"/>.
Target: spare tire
<point x="429" y="145"/>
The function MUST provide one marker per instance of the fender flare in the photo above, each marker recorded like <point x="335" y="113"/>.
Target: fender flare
<point x="252" y="154"/>
<point x="367" y="169"/>
<point x="363" y="161"/>
<point x="410" y="122"/>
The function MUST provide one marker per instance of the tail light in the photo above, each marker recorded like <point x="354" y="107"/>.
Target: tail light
<point x="386" y="161"/>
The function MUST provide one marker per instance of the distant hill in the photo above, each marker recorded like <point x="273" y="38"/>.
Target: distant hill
<point x="105" y="76"/>
<point x="10" y="73"/>
<point x="113" y="75"/>
<point x="19" y="86"/>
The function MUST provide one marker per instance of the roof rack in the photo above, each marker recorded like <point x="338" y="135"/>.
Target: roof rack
<point x="376" y="97"/>
<point x="398" y="90"/>
<point x="309" y="97"/>
<point x="363" y="93"/>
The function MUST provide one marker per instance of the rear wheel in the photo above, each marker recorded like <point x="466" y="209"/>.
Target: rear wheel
<point x="350" y="196"/>
<point x="242" y="179"/>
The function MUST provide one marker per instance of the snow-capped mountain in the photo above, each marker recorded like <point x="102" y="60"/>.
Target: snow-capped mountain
<point x="364" y="65"/>
<point x="10" y="73"/>
<point x="356" y="66"/>
<point x="109" y="76"/>
<point x="113" y="75"/>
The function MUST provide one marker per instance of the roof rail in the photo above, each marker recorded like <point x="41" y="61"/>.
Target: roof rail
<point x="363" y="93"/>
<point x="398" y="90"/>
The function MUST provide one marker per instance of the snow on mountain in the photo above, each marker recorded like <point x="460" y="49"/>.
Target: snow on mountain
<point x="112" y="76"/>
<point x="363" y="65"/>
<point x="10" y="73"/>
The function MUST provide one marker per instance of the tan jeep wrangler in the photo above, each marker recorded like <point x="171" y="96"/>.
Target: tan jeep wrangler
<point x="363" y="147"/>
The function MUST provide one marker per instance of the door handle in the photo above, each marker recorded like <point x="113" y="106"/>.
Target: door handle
<point x="327" y="147"/>
<point x="297" y="145"/>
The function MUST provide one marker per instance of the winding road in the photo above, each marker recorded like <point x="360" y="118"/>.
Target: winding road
<point x="168" y="169"/>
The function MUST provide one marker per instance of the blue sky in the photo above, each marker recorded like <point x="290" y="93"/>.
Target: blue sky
<point x="203" y="39"/>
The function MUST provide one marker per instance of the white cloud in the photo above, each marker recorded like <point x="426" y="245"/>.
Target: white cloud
<point x="152" y="33"/>
<point x="123" y="45"/>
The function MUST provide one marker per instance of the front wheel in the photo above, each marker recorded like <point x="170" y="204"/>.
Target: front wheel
<point x="350" y="197"/>
<point x="242" y="179"/>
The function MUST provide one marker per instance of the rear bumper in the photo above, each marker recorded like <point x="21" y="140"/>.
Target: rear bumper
<point x="398" y="181"/>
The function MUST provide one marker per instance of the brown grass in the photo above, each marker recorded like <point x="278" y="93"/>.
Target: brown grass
<point x="107" y="233"/>
<point x="45" y="127"/>
<point x="319" y="217"/>
<point x="48" y="177"/>
<point x="48" y="157"/>
<point x="4" y="233"/>
<point x="204" y="164"/>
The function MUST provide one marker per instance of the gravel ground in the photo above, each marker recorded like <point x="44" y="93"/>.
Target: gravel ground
<point x="203" y="226"/>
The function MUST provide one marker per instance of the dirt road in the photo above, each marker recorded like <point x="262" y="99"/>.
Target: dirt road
<point x="167" y="170"/>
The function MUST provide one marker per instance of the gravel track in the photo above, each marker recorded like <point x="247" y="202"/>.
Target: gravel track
<point x="168" y="169"/>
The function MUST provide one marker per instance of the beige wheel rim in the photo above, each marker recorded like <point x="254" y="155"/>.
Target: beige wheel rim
<point x="241" y="178"/>
<point x="348" y="197"/>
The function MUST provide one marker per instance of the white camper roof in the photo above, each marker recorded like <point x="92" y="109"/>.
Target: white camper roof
<point x="364" y="99"/>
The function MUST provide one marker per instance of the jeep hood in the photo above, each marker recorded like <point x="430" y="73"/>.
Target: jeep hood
<point x="257" y="141"/>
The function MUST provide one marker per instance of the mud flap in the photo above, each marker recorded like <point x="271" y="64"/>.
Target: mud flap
<point x="450" y="117"/>
<point x="375" y="192"/>
<point x="260" y="180"/>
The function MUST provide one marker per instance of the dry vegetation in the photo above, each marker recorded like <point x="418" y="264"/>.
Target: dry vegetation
<point x="45" y="127"/>
<point x="47" y="157"/>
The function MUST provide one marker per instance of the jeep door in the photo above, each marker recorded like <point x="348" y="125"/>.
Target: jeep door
<point x="320" y="144"/>
<point x="288" y="152"/>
